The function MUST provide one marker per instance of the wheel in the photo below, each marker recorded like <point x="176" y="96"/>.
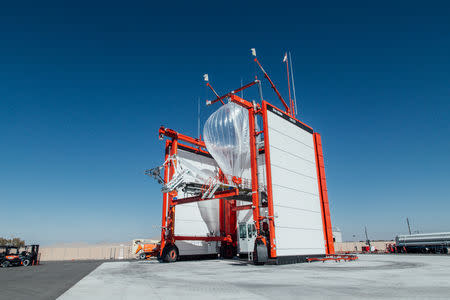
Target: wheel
<point x="5" y="264"/>
<point x="445" y="250"/>
<point x="26" y="262"/>
<point x="142" y="256"/>
<point x="170" y="253"/>
<point x="260" y="255"/>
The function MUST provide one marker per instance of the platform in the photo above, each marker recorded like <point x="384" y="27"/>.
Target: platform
<point x="372" y="276"/>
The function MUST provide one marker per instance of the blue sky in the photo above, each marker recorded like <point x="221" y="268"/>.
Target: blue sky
<point x="84" y="88"/>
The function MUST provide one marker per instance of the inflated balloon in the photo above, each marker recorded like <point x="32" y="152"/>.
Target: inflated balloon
<point x="226" y="136"/>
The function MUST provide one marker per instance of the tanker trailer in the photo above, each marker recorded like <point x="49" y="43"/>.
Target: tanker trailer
<point x="423" y="243"/>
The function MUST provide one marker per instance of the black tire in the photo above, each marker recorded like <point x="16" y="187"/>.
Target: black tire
<point x="142" y="256"/>
<point x="26" y="262"/>
<point x="5" y="264"/>
<point x="260" y="255"/>
<point x="445" y="250"/>
<point x="170" y="254"/>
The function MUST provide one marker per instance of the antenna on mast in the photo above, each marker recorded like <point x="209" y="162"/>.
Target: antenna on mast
<point x="367" y="237"/>
<point x="242" y="91"/>
<point x="293" y="83"/>
<point x="409" y="227"/>
<point x="286" y="107"/>
<point x="198" y="120"/>
<point x="291" y="102"/>
<point x="206" y="78"/>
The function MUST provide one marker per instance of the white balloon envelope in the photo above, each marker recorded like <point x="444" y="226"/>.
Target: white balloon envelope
<point x="226" y="136"/>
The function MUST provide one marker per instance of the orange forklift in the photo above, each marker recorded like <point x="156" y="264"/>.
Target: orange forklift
<point x="147" y="250"/>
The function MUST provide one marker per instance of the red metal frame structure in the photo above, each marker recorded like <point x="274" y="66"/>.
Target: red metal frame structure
<point x="335" y="257"/>
<point x="168" y="216"/>
<point x="327" y="229"/>
<point x="228" y="208"/>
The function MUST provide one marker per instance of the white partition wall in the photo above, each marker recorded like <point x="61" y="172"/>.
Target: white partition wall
<point x="188" y="219"/>
<point x="296" y="200"/>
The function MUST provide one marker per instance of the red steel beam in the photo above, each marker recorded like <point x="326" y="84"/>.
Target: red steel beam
<point x="273" y="248"/>
<point x="165" y="198"/>
<point x="244" y="103"/>
<point x="254" y="167"/>
<point x="234" y="92"/>
<point x="170" y="207"/>
<point x="217" y="195"/>
<point x="273" y="86"/>
<point x="243" y="207"/>
<point x="324" y="204"/>
<point x="202" y="238"/>
<point x="196" y="150"/>
<point x="170" y="133"/>
<point x="215" y="93"/>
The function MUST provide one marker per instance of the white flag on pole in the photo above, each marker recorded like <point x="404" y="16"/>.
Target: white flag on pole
<point x="205" y="77"/>
<point x="285" y="57"/>
<point x="253" y="51"/>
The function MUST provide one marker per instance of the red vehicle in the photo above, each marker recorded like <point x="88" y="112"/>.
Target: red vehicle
<point x="12" y="256"/>
<point x="9" y="256"/>
<point x="147" y="250"/>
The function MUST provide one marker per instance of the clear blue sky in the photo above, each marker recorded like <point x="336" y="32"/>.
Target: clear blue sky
<point x="84" y="88"/>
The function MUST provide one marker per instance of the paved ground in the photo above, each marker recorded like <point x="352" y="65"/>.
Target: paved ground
<point x="373" y="276"/>
<point x="46" y="281"/>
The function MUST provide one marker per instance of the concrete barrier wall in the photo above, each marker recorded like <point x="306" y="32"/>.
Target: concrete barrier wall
<point x="114" y="252"/>
<point x="86" y="253"/>
<point x="357" y="246"/>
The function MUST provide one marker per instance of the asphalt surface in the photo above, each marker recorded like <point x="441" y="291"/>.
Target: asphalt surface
<point x="45" y="281"/>
<point x="372" y="276"/>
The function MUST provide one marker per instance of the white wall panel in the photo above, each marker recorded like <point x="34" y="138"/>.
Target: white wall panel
<point x="297" y="199"/>
<point x="282" y="141"/>
<point x="298" y="218"/>
<point x="290" y="179"/>
<point x="289" y="238"/>
<point x="289" y="217"/>
<point x="188" y="220"/>
<point x="289" y="161"/>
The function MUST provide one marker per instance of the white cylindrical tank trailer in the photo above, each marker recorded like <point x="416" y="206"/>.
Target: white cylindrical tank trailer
<point x="424" y="242"/>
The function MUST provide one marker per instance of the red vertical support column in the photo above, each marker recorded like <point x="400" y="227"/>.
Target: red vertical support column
<point x="324" y="204"/>
<point x="231" y="220"/>
<point x="165" y="199"/>
<point x="171" y="207"/>
<point x="222" y="208"/>
<point x="273" y="248"/>
<point x="254" y="167"/>
<point x="222" y="217"/>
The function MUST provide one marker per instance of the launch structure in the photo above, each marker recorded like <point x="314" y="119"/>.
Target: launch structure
<point x="254" y="186"/>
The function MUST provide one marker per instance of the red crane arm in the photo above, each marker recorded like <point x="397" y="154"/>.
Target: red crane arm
<point x="273" y="86"/>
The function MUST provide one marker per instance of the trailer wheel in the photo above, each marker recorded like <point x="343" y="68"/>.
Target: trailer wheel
<point x="26" y="262"/>
<point x="445" y="250"/>
<point x="142" y="255"/>
<point x="5" y="264"/>
<point x="170" y="253"/>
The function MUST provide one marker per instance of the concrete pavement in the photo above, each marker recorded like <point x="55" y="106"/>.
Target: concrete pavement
<point x="372" y="276"/>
